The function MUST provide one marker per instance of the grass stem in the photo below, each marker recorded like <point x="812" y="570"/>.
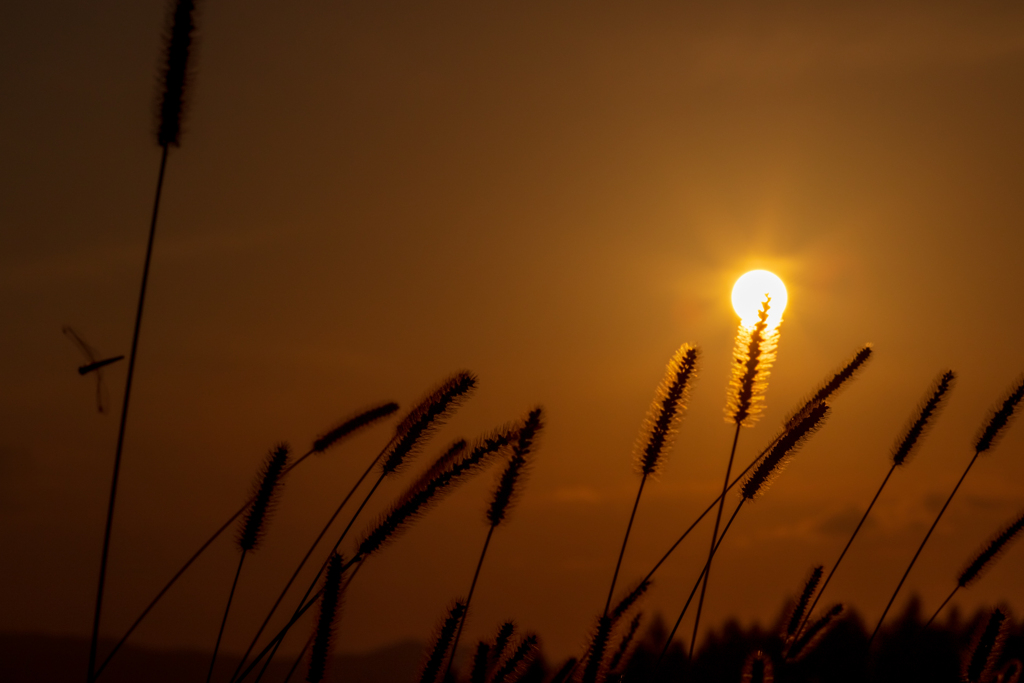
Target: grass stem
<point x="700" y="578"/>
<point x="921" y="547"/>
<point x="714" y="535"/>
<point x="224" y="621"/>
<point x="824" y="585"/>
<point x="94" y="641"/>
<point x="469" y="598"/>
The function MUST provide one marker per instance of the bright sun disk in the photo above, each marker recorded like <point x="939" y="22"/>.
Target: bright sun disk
<point x="748" y="294"/>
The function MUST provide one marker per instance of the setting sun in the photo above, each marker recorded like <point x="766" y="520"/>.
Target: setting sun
<point x="748" y="294"/>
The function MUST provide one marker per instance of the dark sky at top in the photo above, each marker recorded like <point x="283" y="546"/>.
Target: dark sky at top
<point x="370" y="196"/>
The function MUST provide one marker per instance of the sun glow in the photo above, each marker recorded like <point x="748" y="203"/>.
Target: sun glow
<point x="749" y="292"/>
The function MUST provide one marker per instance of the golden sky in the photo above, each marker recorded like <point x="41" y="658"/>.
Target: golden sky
<point x="370" y="197"/>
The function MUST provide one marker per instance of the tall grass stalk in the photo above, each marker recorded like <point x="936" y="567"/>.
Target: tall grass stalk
<point x="754" y="486"/>
<point x="323" y="636"/>
<point x="442" y="642"/>
<point x="321" y="445"/>
<point x="174" y="77"/>
<point x="987" y="438"/>
<point x="505" y="493"/>
<point x="752" y="359"/>
<point x="985" y="558"/>
<point x="312" y="638"/>
<point x="905" y="446"/>
<point x="659" y="430"/>
<point x="224" y="620"/>
<point x="267" y="489"/>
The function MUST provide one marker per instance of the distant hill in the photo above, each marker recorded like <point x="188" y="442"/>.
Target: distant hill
<point x="35" y="658"/>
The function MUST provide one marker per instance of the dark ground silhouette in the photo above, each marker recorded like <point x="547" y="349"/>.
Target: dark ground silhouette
<point x="906" y="651"/>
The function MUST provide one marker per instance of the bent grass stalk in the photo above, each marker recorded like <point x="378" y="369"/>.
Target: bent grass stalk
<point x="656" y="439"/>
<point x="310" y="641"/>
<point x="752" y="358"/>
<point x="323" y="638"/>
<point x="268" y="486"/>
<point x="442" y="642"/>
<point x="903" y="449"/>
<point x="503" y="498"/>
<point x="985" y="558"/>
<point x="174" y="79"/>
<point x="987" y="438"/>
<point x="321" y="445"/>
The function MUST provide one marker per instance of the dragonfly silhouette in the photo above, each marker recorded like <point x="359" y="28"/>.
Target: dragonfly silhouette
<point x="93" y="366"/>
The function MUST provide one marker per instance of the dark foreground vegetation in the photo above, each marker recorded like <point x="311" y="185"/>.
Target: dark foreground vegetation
<point x="906" y="651"/>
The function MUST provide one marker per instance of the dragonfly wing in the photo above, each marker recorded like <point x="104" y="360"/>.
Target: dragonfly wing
<point x="86" y="350"/>
<point x="102" y="396"/>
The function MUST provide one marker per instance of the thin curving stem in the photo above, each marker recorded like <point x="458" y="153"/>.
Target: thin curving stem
<point x="94" y="641"/>
<point x="921" y="547"/>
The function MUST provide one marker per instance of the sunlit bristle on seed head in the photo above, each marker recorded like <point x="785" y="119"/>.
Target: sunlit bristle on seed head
<point x="758" y="668"/>
<point x="752" y="359"/>
<point x="749" y="293"/>
<point x="983" y="656"/>
<point x="667" y="411"/>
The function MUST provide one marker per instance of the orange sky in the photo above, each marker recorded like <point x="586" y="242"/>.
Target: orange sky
<point x="370" y="198"/>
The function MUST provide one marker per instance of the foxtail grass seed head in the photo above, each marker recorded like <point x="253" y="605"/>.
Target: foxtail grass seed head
<point x="501" y="641"/>
<point x="990" y="552"/>
<point x="629" y="601"/>
<point x="983" y="656"/>
<point x="758" y="668"/>
<point x="518" y="660"/>
<point x="784" y="449"/>
<point x="353" y="424"/>
<point x="478" y="674"/>
<point x="813" y="634"/>
<point x="442" y="642"/>
<point x="832" y="386"/>
<point x="330" y="606"/>
<point x="174" y="76"/>
<point x="926" y="415"/>
<point x="752" y="360"/>
<point x="417" y="499"/>
<point x="424" y="419"/>
<point x="509" y="483"/>
<point x="620" y="652"/>
<point x="563" y="674"/>
<point x="1010" y="673"/>
<point x="598" y="645"/>
<point x="801" y="604"/>
<point x="666" y="412"/>
<point x="266" y="491"/>
<point x="1001" y="416"/>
